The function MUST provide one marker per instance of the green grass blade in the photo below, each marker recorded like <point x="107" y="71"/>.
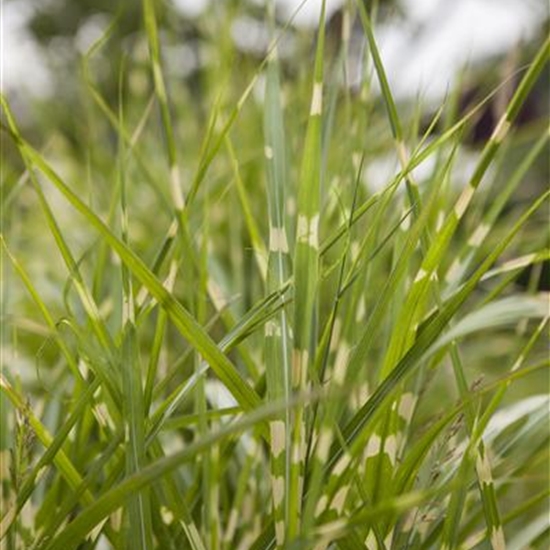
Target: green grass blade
<point x="277" y="337"/>
<point x="139" y="529"/>
<point x="306" y="273"/>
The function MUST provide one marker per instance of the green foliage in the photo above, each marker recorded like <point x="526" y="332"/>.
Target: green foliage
<point x="217" y="333"/>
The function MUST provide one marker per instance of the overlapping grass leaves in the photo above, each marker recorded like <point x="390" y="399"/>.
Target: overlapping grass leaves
<point x="377" y="294"/>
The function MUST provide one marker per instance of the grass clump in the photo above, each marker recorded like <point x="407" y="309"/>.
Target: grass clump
<point x="218" y="334"/>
